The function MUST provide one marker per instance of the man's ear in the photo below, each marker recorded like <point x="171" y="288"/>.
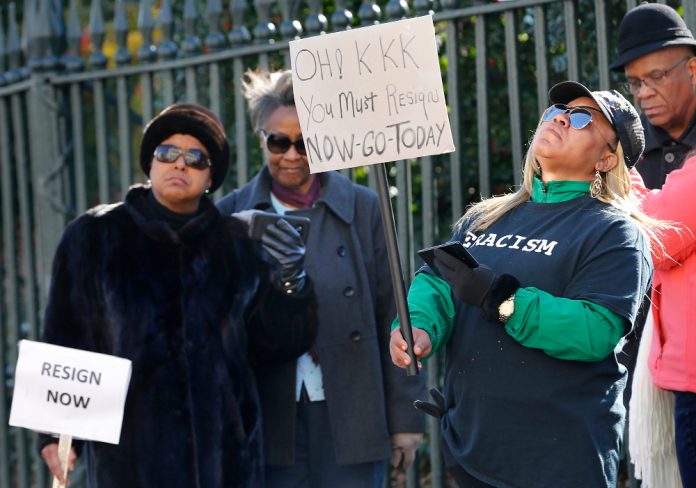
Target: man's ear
<point x="608" y="162"/>
<point x="691" y="65"/>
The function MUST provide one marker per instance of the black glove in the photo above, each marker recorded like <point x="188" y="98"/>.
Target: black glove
<point x="436" y="409"/>
<point x="479" y="286"/>
<point x="285" y="245"/>
<point x="470" y="285"/>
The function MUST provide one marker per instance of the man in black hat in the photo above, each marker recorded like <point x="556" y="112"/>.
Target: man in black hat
<point x="656" y="53"/>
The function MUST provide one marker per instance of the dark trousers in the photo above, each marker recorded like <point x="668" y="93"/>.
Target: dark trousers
<point x="685" y="436"/>
<point x="315" y="462"/>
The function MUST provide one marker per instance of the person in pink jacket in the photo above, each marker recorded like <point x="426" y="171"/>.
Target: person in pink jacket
<point x="672" y="359"/>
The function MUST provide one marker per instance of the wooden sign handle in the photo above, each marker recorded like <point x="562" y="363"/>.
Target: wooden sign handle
<point x="64" y="445"/>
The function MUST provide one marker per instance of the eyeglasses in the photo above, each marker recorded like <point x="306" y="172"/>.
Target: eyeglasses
<point x="278" y="144"/>
<point x="579" y="117"/>
<point x="195" y="158"/>
<point x="654" y="79"/>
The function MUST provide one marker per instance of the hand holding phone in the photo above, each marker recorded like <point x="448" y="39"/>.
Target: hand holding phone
<point x="455" y="249"/>
<point x="259" y="220"/>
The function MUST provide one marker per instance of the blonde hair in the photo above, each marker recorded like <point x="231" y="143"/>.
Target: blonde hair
<point x="265" y="92"/>
<point x="616" y="192"/>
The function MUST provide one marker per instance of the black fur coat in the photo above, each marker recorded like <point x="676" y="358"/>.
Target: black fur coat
<point x="191" y="309"/>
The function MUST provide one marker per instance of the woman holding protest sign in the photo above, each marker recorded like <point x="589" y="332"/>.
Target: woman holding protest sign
<point x="532" y="388"/>
<point x="331" y="417"/>
<point x="166" y="281"/>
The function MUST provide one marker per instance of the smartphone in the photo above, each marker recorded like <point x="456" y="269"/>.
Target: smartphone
<point x="455" y="249"/>
<point x="260" y="220"/>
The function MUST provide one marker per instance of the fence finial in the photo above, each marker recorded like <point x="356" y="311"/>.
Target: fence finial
<point x="73" y="60"/>
<point x="58" y="44"/>
<point x="342" y="18"/>
<point x="316" y="22"/>
<point x="122" y="56"/>
<point x="215" y="40"/>
<point x="27" y="39"/>
<point x="423" y="7"/>
<point x="369" y="13"/>
<point x="97" y="59"/>
<point x="191" y="43"/>
<point x="33" y="28"/>
<point x="239" y="33"/>
<point x="290" y="27"/>
<point x="264" y="31"/>
<point x="396" y="9"/>
<point x="44" y="38"/>
<point x="14" y="49"/>
<point x="147" y="51"/>
<point x="167" y="48"/>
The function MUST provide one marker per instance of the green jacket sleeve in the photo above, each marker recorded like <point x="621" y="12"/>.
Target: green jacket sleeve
<point x="568" y="329"/>
<point x="430" y="308"/>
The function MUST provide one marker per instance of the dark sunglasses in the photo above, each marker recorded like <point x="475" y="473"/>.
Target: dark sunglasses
<point x="580" y="117"/>
<point x="195" y="158"/>
<point x="278" y="144"/>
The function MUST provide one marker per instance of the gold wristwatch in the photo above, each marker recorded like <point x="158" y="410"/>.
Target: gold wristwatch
<point x="506" y="309"/>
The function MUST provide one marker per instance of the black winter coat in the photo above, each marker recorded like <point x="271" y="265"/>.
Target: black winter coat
<point x="191" y="309"/>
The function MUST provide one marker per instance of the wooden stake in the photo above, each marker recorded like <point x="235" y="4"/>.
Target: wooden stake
<point x="64" y="445"/>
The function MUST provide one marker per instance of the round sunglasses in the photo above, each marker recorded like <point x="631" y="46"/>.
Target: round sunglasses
<point x="195" y="158"/>
<point x="278" y="144"/>
<point x="579" y="117"/>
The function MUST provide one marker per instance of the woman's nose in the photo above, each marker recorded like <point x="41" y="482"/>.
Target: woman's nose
<point x="292" y="153"/>
<point x="562" y="119"/>
<point x="179" y="163"/>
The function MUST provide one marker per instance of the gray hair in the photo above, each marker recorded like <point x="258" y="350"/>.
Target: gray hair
<point x="265" y="92"/>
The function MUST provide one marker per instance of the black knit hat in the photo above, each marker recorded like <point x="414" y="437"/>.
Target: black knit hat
<point x="194" y="120"/>
<point x="618" y="111"/>
<point x="647" y="28"/>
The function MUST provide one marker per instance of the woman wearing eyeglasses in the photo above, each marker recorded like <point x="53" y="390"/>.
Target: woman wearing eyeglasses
<point x="532" y="387"/>
<point x="331" y="417"/>
<point x="164" y="280"/>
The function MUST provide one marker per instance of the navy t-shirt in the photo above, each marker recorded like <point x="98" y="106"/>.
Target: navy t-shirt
<point x="516" y="416"/>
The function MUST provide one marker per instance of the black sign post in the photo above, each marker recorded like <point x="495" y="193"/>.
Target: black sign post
<point x="397" y="276"/>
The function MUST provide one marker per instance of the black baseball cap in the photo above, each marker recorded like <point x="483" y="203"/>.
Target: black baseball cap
<point x="618" y="111"/>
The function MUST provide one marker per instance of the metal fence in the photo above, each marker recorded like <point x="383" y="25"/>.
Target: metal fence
<point x="70" y="119"/>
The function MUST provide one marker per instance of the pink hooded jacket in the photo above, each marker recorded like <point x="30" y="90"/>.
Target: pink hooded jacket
<point x="672" y="359"/>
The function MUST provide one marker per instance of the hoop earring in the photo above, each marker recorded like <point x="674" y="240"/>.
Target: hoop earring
<point x="597" y="185"/>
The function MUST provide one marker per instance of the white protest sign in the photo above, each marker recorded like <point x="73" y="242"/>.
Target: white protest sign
<point x="69" y="391"/>
<point x="370" y="95"/>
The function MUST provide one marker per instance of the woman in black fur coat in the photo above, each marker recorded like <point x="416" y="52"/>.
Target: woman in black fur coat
<point x="164" y="280"/>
